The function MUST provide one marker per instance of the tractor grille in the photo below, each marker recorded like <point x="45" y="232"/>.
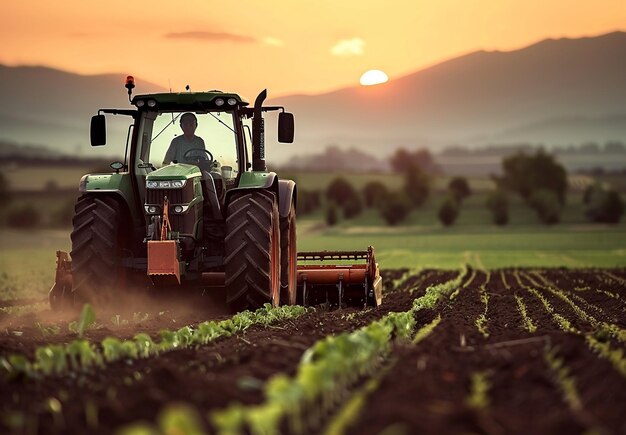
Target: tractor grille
<point x="180" y="223"/>
<point x="176" y="196"/>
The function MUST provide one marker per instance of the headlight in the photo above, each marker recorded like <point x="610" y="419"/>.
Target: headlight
<point x="152" y="209"/>
<point x="140" y="103"/>
<point x="151" y="103"/>
<point x="231" y="101"/>
<point x="219" y="102"/>
<point x="178" y="208"/>
<point x="169" y="184"/>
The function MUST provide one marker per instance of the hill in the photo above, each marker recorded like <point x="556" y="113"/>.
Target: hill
<point x="537" y="93"/>
<point x="45" y="106"/>
<point x="557" y="91"/>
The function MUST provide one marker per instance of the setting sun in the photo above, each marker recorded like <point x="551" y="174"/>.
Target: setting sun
<point x="373" y="77"/>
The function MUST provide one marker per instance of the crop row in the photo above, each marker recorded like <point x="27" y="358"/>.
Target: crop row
<point x="597" y="341"/>
<point x="18" y="310"/>
<point x="81" y="355"/>
<point x="601" y="327"/>
<point x="481" y="321"/>
<point x="328" y="372"/>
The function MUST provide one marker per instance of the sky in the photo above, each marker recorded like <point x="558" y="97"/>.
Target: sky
<point x="286" y="46"/>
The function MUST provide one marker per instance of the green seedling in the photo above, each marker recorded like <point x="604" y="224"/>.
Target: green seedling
<point x="48" y="330"/>
<point x="86" y="320"/>
<point x="118" y="321"/>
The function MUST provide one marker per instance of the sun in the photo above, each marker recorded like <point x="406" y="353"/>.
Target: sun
<point x="373" y="77"/>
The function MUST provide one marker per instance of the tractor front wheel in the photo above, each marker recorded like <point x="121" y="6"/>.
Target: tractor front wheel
<point x="97" y="244"/>
<point x="252" y="251"/>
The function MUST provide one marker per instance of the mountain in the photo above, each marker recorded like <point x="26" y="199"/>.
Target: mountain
<point x="480" y="97"/>
<point x="45" y="106"/>
<point x="557" y="91"/>
<point x="335" y="159"/>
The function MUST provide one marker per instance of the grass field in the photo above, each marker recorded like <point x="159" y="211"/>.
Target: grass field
<point x="480" y="246"/>
<point x="27" y="259"/>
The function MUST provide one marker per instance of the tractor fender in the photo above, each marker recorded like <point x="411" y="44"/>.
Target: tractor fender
<point x="255" y="180"/>
<point x="106" y="184"/>
<point x="287" y="196"/>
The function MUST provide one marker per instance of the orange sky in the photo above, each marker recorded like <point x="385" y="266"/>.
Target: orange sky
<point x="287" y="46"/>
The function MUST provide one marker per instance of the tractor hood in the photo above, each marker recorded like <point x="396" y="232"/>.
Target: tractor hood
<point x="175" y="171"/>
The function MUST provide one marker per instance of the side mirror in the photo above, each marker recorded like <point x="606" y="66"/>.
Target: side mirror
<point x="285" y="127"/>
<point x="98" y="131"/>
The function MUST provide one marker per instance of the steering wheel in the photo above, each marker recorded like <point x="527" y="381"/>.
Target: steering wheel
<point x="197" y="156"/>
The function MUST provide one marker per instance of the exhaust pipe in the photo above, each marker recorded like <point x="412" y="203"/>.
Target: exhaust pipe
<point x="258" y="134"/>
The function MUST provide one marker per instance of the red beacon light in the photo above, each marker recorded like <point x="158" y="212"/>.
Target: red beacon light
<point x="130" y="84"/>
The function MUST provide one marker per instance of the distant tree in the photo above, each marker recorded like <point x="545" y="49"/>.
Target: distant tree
<point x="616" y="147"/>
<point x="395" y="207"/>
<point x="340" y="191"/>
<point x="498" y="205"/>
<point x="526" y="174"/>
<point x="603" y="204"/>
<point x="352" y="207"/>
<point x="589" y="148"/>
<point x="416" y="185"/>
<point x="51" y="186"/>
<point x="24" y="217"/>
<point x="5" y="192"/>
<point x="403" y="161"/>
<point x="62" y="216"/>
<point x="589" y="192"/>
<point x="547" y="205"/>
<point x="449" y="211"/>
<point x="331" y="215"/>
<point x="459" y="188"/>
<point x="374" y="192"/>
<point x="308" y="201"/>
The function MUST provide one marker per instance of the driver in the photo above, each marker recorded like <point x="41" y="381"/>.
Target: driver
<point x="187" y="141"/>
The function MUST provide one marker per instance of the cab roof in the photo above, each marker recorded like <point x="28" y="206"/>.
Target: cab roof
<point x="187" y="100"/>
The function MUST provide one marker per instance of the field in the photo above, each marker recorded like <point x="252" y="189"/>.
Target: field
<point x="483" y="329"/>
<point x="449" y="351"/>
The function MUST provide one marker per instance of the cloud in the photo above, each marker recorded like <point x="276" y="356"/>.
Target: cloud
<point x="348" y="47"/>
<point x="212" y="36"/>
<point x="270" y="40"/>
<point x="225" y="37"/>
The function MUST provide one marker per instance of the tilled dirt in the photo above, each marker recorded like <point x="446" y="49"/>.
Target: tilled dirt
<point x="426" y="388"/>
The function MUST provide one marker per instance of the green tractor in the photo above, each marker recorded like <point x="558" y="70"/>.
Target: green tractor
<point x="196" y="208"/>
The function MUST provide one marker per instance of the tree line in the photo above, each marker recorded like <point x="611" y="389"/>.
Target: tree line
<point x="537" y="178"/>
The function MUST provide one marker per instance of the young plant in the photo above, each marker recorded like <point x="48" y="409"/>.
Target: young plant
<point x="86" y="320"/>
<point x="479" y="389"/>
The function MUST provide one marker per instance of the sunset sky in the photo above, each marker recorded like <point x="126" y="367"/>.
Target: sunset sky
<point x="288" y="46"/>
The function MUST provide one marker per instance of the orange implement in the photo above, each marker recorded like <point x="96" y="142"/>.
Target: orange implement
<point x="354" y="285"/>
<point x="61" y="291"/>
<point x="163" y="264"/>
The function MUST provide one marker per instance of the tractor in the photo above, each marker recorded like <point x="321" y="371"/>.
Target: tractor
<point x="211" y="218"/>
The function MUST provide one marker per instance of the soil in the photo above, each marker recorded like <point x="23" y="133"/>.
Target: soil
<point x="425" y="387"/>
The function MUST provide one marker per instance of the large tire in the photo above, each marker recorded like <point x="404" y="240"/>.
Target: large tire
<point x="288" y="258"/>
<point x="97" y="244"/>
<point x="252" y="251"/>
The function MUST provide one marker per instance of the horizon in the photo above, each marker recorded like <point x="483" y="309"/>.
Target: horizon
<point x="293" y="56"/>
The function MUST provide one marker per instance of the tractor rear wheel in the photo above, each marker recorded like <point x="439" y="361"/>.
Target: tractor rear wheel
<point x="252" y="251"/>
<point x="288" y="258"/>
<point x="97" y="244"/>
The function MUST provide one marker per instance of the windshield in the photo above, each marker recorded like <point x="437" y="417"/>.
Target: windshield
<point x="205" y="139"/>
